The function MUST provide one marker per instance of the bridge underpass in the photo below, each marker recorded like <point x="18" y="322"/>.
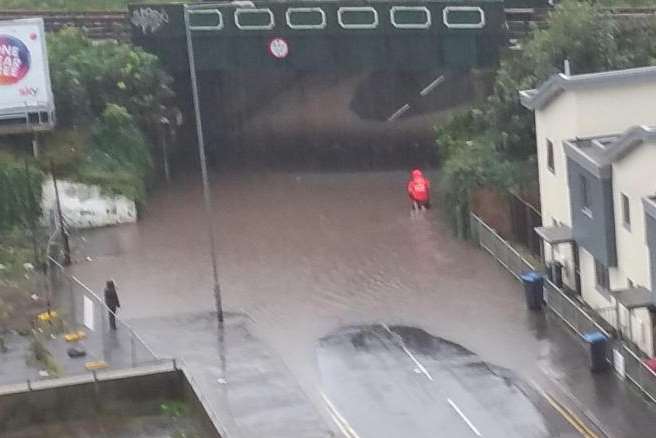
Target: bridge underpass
<point x="326" y="83"/>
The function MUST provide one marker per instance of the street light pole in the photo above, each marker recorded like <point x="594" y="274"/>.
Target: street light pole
<point x="203" y="164"/>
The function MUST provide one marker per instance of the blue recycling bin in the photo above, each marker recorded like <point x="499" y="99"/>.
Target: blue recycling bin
<point x="598" y="345"/>
<point x="533" y="289"/>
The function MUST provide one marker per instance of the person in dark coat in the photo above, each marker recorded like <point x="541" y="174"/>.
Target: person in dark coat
<point x="111" y="300"/>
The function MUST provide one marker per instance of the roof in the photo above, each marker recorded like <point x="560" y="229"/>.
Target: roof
<point x="596" y="154"/>
<point x="634" y="298"/>
<point x="550" y="89"/>
<point x="555" y="234"/>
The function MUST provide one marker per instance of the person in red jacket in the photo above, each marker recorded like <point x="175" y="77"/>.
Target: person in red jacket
<point x="419" y="190"/>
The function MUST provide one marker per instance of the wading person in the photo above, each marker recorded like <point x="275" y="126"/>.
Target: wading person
<point x="419" y="190"/>
<point x="111" y="300"/>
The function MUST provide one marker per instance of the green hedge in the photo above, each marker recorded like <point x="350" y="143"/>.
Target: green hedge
<point x="17" y="182"/>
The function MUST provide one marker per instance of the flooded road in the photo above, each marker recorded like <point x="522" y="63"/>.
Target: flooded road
<point x="305" y="255"/>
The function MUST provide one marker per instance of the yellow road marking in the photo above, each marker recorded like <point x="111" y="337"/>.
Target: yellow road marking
<point x="341" y="422"/>
<point x="570" y="417"/>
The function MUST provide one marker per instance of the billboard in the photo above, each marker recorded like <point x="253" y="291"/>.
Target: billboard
<point x="26" y="101"/>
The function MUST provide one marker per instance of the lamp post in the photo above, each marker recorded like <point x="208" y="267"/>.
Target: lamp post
<point x="203" y="164"/>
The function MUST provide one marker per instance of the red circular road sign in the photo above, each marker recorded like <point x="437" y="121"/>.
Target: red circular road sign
<point x="278" y="48"/>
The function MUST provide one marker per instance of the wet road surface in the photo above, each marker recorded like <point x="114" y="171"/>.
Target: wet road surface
<point x="400" y="381"/>
<point x="306" y="255"/>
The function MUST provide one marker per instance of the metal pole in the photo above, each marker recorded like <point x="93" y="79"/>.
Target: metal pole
<point x="203" y="164"/>
<point x="165" y="154"/>
<point x="62" y="228"/>
<point x="31" y="214"/>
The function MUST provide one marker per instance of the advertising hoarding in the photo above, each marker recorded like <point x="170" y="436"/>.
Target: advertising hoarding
<point x="26" y="101"/>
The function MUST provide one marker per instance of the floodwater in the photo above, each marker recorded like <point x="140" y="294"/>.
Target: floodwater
<point x="307" y="254"/>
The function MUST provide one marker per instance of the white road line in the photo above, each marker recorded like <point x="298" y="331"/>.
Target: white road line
<point x="399" y="112"/>
<point x="430" y="87"/>
<point x="341" y="422"/>
<point x="469" y="423"/>
<point x="412" y="356"/>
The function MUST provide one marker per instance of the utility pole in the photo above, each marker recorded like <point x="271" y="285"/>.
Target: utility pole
<point x="60" y="217"/>
<point x="31" y="214"/>
<point x="207" y="196"/>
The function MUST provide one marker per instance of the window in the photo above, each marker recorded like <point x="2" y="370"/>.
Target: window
<point x="357" y="17"/>
<point x="410" y="17"/>
<point x="205" y="19"/>
<point x="626" y="211"/>
<point x="585" y="196"/>
<point x="306" y="18"/>
<point x="601" y="276"/>
<point x="254" y="19"/>
<point x="550" y="156"/>
<point x="463" y="17"/>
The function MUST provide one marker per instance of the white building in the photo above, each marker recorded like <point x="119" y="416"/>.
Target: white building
<point x="596" y="140"/>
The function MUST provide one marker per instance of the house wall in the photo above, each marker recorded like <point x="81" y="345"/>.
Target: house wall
<point x="593" y="226"/>
<point x="596" y="298"/>
<point x="613" y="109"/>
<point x="556" y="123"/>
<point x="633" y="176"/>
<point x="650" y="229"/>
<point x="590" y="112"/>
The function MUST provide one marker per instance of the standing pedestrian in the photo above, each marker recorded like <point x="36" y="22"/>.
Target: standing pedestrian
<point x="419" y="190"/>
<point x="111" y="300"/>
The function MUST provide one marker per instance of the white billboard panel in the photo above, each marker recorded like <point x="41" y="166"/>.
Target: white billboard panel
<point x="24" y="74"/>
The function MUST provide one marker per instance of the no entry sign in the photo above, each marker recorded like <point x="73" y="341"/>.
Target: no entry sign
<point x="278" y="48"/>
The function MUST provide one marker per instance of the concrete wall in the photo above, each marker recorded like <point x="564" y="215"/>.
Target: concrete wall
<point x="84" y="206"/>
<point x="120" y="396"/>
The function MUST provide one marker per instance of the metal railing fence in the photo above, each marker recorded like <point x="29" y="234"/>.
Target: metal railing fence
<point x="569" y="311"/>
<point x="639" y="373"/>
<point x="493" y="243"/>
<point x="575" y="315"/>
<point x="80" y="308"/>
<point x="75" y="318"/>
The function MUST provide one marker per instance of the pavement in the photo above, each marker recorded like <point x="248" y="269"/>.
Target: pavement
<point x="245" y="386"/>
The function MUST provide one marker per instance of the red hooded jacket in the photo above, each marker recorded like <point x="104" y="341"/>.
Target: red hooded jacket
<point x="418" y="187"/>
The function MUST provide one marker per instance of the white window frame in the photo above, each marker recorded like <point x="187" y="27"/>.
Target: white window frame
<point x="447" y="9"/>
<point x="206" y="12"/>
<point x="305" y="26"/>
<point x="343" y="9"/>
<point x="241" y="11"/>
<point x="426" y="25"/>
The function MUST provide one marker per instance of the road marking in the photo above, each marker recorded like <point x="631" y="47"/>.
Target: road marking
<point x="567" y="414"/>
<point x="420" y="367"/>
<point x="572" y="398"/>
<point x="469" y="423"/>
<point x="338" y="418"/>
<point x="430" y="87"/>
<point x="399" y="112"/>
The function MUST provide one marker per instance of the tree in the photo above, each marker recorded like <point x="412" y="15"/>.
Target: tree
<point x="119" y="158"/>
<point x="88" y="76"/>
<point x="501" y="130"/>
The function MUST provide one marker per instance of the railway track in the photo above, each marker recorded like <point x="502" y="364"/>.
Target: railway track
<point x="115" y="25"/>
